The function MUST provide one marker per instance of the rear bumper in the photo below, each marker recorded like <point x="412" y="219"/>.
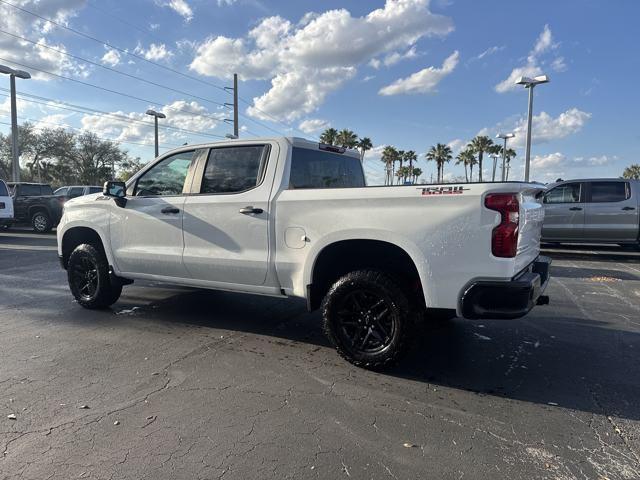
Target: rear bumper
<point x="511" y="299"/>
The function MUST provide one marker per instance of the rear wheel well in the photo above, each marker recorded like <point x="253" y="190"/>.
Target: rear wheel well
<point x="38" y="208"/>
<point x="77" y="236"/>
<point x="345" y="256"/>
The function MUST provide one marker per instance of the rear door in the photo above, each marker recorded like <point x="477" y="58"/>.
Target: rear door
<point x="226" y="217"/>
<point x="564" y="213"/>
<point x="611" y="212"/>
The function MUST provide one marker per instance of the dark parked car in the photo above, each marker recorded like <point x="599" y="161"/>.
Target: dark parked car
<point x="36" y="204"/>
<point x="76" y="191"/>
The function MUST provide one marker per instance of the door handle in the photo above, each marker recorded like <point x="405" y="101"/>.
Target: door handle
<point x="249" y="210"/>
<point x="629" y="208"/>
<point x="575" y="208"/>
<point x="170" y="210"/>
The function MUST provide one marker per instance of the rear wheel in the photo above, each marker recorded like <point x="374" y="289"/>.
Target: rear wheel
<point x="88" y="276"/>
<point x="41" y="222"/>
<point x="366" y="317"/>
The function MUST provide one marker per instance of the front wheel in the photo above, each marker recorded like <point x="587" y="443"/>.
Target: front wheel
<point x="366" y="316"/>
<point x="88" y="276"/>
<point x="41" y="222"/>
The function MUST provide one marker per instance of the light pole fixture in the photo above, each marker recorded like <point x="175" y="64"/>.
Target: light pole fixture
<point x="505" y="137"/>
<point x="530" y="83"/>
<point x="495" y="157"/>
<point x="15" y="155"/>
<point x="156" y="116"/>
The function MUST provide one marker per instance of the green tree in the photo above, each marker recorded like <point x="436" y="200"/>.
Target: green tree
<point x="466" y="158"/>
<point x="509" y="155"/>
<point x="364" y="145"/>
<point x="128" y="168"/>
<point x="329" y="136"/>
<point x="441" y="154"/>
<point x="389" y="157"/>
<point x="632" y="172"/>
<point x="416" y="172"/>
<point x="481" y="145"/>
<point x="347" y="139"/>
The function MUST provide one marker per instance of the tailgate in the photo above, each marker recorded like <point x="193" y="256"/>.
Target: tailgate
<point x="530" y="230"/>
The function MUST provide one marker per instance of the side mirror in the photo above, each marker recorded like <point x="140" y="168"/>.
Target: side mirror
<point x="117" y="190"/>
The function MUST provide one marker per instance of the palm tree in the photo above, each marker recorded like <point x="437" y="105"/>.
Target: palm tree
<point x="480" y="145"/>
<point x="440" y="154"/>
<point x="466" y="158"/>
<point x="510" y="153"/>
<point x="364" y="144"/>
<point x="403" y="174"/>
<point x="631" y="172"/>
<point x="389" y="156"/>
<point x="416" y="172"/>
<point x="411" y="157"/>
<point x="329" y="136"/>
<point x="347" y="139"/>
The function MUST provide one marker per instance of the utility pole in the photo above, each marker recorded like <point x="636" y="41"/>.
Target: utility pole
<point x="15" y="154"/>
<point x="236" y="129"/>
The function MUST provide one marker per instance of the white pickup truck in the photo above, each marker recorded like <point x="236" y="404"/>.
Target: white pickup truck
<point x="292" y="218"/>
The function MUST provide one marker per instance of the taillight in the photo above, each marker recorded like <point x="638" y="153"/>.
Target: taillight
<point x="504" y="238"/>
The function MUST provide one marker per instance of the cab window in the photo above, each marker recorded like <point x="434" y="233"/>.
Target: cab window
<point x="75" y="192"/>
<point x="567" y="193"/>
<point x="604" y="192"/>
<point x="3" y="190"/>
<point x="234" y="169"/>
<point x="165" y="178"/>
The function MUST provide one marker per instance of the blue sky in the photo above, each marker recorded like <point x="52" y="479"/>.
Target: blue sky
<point x="408" y="73"/>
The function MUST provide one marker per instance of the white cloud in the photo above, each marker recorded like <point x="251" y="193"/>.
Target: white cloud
<point x="394" y="57"/>
<point x="111" y="58"/>
<point x="550" y="160"/>
<point x="318" y="54"/>
<point x="181" y="7"/>
<point x="596" y="161"/>
<point x="424" y="81"/>
<point x="226" y="2"/>
<point x="488" y="52"/>
<point x="127" y="130"/>
<point x="456" y="145"/>
<point x="155" y="52"/>
<point x="313" y="125"/>
<point x="534" y="63"/>
<point x="37" y="56"/>
<point x="545" y="128"/>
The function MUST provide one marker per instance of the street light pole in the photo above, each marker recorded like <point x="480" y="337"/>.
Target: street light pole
<point x="15" y="154"/>
<point x="505" y="137"/>
<point x="156" y="116"/>
<point x="495" y="163"/>
<point x="530" y="83"/>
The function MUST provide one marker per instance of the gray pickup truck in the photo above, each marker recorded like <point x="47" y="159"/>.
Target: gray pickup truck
<point x="599" y="210"/>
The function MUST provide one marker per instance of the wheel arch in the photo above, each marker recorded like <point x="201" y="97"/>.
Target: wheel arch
<point x="78" y="235"/>
<point x="341" y="256"/>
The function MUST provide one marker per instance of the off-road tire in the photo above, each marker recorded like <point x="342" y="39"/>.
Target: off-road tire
<point x="41" y="222"/>
<point x="340" y="323"/>
<point x="88" y="276"/>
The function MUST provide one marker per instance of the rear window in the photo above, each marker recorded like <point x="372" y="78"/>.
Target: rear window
<point x="602" y="192"/>
<point x="95" y="189"/>
<point x="28" y="190"/>
<point x="322" y="169"/>
<point x="3" y="190"/>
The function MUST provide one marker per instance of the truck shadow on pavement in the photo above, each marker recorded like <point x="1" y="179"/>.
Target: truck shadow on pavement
<point x="544" y="358"/>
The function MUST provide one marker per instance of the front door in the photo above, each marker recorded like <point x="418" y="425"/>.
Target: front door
<point x="226" y="218"/>
<point x="612" y="212"/>
<point x="564" y="210"/>
<point x="146" y="234"/>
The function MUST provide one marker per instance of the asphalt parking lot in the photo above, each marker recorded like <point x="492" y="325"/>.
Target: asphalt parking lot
<point x="182" y="384"/>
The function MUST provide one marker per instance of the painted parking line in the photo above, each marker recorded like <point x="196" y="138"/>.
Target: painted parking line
<point x="6" y="246"/>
